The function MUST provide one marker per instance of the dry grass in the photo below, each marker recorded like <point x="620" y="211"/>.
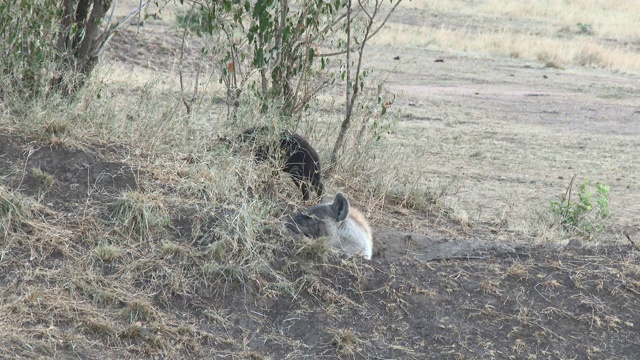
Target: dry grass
<point x="611" y="19"/>
<point x="507" y="42"/>
<point x="193" y="261"/>
<point x="595" y="34"/>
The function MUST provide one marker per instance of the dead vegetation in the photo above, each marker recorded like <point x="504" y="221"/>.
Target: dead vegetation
<point x="127" y="230"/>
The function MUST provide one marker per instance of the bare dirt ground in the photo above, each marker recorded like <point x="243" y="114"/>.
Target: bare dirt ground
<point x="510" y="132"/>
<point x="515" y="132"/>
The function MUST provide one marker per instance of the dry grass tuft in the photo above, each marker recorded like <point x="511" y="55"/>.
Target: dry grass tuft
<point x="229" y="273"/>
<point x="57" y="128"/>
<point x="138" y="214"/>
<point x="14" y="210"/>
<point x="431" y="197"/>
<point x="345" y="341"/>
<point x="42" y="177"/>
<point x="593" y="35"/>
<point x="108" y="252"/>
<point x="138" y="310"/>
<point x="316" y="250"/>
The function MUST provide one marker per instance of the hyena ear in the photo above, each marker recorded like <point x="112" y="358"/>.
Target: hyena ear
<point x="340" y="207"/>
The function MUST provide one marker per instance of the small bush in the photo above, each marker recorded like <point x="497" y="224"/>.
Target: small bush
<point x="198" y="22"/>
<point x="588" y="212"/>
<point x="586" y="29"/>
<point x="42" y="177"/>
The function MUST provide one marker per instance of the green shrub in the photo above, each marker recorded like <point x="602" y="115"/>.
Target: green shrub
<point x="585" y="28"/>
<point x="588" y="212"/>
<point x="27" y="30"/>
<point x="197" y="21"/>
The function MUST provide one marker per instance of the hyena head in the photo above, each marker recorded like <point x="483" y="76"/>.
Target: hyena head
<point x="321" y="220"/>
<point x="346" y="228"/>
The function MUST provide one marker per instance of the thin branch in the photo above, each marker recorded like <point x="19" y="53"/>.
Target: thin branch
<point x="106" y="36"/>
<point x="567" y="195"/>
<point x="349" y="105"/>
<point x="187" y="104"/>
<point x="356" y="47"/>
<point x="309" y="95"/>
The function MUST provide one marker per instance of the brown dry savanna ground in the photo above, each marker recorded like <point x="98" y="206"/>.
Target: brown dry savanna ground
<point x="128" y="233"/>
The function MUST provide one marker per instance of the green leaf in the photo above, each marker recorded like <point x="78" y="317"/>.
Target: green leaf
<point x="258" y="59"/>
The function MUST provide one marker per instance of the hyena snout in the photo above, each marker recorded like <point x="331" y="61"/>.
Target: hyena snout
<point x="345" y="227"/>
<point x="311" y="225"/>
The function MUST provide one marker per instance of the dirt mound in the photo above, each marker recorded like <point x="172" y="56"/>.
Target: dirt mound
<point x="541" y="302"/>
<point x="171" y="295"/>
<point x="64" y="177"/>
<point x="393" y="244"/>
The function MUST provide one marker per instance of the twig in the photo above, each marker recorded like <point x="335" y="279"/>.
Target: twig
<point x="106" y="36"/>
<point x="356" y="47"/>
<point x="458" y="257"/>
<point x="635" y="244"/>
<point x="567" y="195"/>
<point x="184" y="36"/>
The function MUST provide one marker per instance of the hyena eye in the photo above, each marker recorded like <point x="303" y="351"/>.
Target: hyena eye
<point x="310" y="231"/>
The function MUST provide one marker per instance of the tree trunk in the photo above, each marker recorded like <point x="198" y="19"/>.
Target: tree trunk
<point x="77" y="43"/>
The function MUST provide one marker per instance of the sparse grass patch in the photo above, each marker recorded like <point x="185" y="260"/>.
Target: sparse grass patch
<point x="216" y="251"/>
<point x="57" y="128"/>
<point x="429" y="197"/>
<point x="99" y="327"/>
<point x="170" y="248"/>
<point x="228" y="272"/>
<point x="345" y="341"/>
<point x="100" y="296"/>
<point x="592" y="56"/>
<point x="132" y="332"/>
<point x="103" y="297"/>
<point x="460" y="216"/>
<point x="491" y="287"/>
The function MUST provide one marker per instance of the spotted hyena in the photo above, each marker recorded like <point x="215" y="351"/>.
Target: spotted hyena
<point x="299" y="158"/>
<point x="344" y="226"/>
